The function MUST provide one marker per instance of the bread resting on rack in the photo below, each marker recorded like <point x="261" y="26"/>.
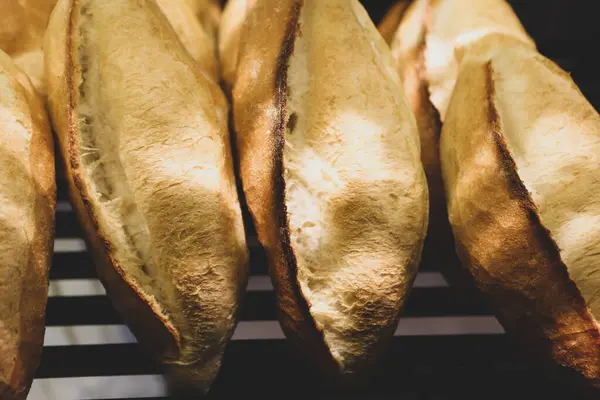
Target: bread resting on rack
<point x="143" y="131"/>
<point x="329" y="161"/>
<point x="519" y="153"/>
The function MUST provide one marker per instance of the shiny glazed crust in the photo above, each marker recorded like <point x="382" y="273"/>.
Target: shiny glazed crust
<point x="158" y="202"/>
<point x="28" y="199"/>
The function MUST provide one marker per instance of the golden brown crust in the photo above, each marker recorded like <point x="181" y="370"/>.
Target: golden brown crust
<point x="261" y="165"/>
<point x="292" y="305"/>
<point x="150" y="326"/>
<point x="500" y="237"/>
<point x="34" y="277"/>
<point x="181" y="329"/>
<point x="339" y="296"/>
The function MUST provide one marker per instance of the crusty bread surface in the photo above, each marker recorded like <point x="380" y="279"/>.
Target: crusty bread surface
<point x="519" y="150"/>
<point x="425" y="36"/>
<point x="27" y="203"/>
<point x="329" y="160"/>
<point x="195" y="23"/>
<point x="144" y="134"/>
<point x="522" y="180"/>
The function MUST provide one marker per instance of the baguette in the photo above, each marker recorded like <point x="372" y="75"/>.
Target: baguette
<point x="27" y="204"/>
<point x="329" y="161"/>
<point x="522" y="181"/>
<point x="518" y="150"/>
<point x="150" y="175"/>
<point x="22" y="27"/>
<point x="426" y="33"/>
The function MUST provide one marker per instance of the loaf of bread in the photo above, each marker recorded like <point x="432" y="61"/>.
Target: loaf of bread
<point x="330" y="165"/>
<point x="27" y="204"/>
<point x="22" y="27"/>
<point x="423" y="42"/>
<point x="144" y="135"/>
<point x="520" y="166"/>
<point x="519" y="154"/>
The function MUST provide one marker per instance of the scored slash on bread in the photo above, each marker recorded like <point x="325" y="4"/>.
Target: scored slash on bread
<point x="27" y="204"/>
<point x="521" y="175"/>
<point x="143" y="131"/>
<point x="329" y="161"/>
<point x="519" y="155"/>
<point x="424" y="36"/>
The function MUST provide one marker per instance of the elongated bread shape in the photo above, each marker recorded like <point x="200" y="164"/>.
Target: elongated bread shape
<point x="199" y="36"/>
<point x="22" y="27"/>
<point x="520" y="165"/>
<point x="329" y="159"/>
<point x="428" y="37"/>
<point x="144" y="135"/>
<point x="27" y="203"/>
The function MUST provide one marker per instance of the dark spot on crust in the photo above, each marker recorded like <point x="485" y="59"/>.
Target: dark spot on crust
<point x="310" y="333"/>
<point x="292" y="121"/>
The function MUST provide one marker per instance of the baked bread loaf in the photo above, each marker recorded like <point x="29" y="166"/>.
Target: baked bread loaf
<point x="519" y="150"/>
<point x="22" y="27"/>
<point x="423" y="42"/>
<point x="27" y="204"/>
<point x="329" y="161"/>
<point x="520" y="167"/>
<point x="144" y="134"/>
